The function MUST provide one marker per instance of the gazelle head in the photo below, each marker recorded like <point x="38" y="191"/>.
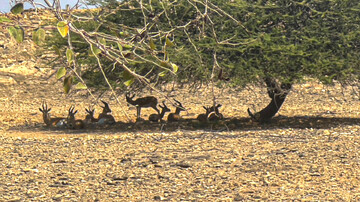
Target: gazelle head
<point x="71" y="115"/>
<point x="164" y="107"/>
<point x="45" y="111"/>
<point x="90" y="112"/>
<point x="129" y="97"/>
<point x="106" y="108"/>
<point x="179" y="106"/>
<point x="90" y="115"/>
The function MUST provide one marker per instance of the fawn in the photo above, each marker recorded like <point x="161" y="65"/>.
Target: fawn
<point x="143" y="102"/>
<point x="105" y="116"/>
<point x="89" y="118"/>
<point x="52" y="122"/>
<point x="158" y="117"/>
<point x="72" y="122"/>
<point x="176" y="116"/>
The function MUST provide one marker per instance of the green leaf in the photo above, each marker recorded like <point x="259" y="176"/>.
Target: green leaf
<point x="127" y="46"/>
<point x="60" y="73"/>
<point x="63" y="28"/>
<point x="174" y="67"/>
<point x="94" y="49"/>
<point x="57" y="50"/>
<point x="80" y="86"/>
<point x="69" y="56"/>
<point x="102" y="41"/>
<point x="67" y="84"/>
<point x="120" y="47"/>
<point x="17" y="33"/>
<point x="17" y="9"/>
<point x="12" y="31"/>
<point x="39" y="36"/>
<point x="5" y="19"/>
<point x="168" y="42"/>
<point x="129" y="82"/>
<point x="152" y="44"/>
<point x="163" y="73"/>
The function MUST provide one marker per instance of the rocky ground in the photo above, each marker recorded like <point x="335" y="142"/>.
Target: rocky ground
<point x="310" y="151"/>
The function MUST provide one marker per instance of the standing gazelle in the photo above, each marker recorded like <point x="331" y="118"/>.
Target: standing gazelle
<point x="176" y="116"/>
<point x="143" y="102"/>
<point x="105" y="116"/>
<point x="158" y="117"/>
<point x="72" y="122"/>
<point x="52" y="122"/>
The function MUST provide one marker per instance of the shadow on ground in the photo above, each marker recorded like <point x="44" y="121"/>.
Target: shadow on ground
<point x="240" y="124"/>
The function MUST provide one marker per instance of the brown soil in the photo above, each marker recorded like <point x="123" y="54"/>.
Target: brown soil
<point x="308" y="152"/>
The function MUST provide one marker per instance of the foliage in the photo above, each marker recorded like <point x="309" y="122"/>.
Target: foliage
<point x="136" y="43"/>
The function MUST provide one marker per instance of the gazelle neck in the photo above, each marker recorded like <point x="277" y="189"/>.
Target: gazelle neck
<point x="46" y="117"/>
<point x="178" y="110"/>
<point x="162" y="113"/>
<point x="130" y="100"/>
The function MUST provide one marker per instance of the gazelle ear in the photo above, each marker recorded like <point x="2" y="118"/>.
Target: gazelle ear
<point x="49" y="110"/>
<point x="106" y="105"/>
<point x="40" y="109"/>
<point x="75" y="112"/>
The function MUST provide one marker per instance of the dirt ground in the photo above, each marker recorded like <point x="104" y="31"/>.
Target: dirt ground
<point x="310" y="151"/>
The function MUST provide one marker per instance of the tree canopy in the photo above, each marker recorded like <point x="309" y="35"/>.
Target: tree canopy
<point x="134" y="42"/>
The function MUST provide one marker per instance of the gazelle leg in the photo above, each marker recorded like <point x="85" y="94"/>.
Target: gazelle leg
<point x="138" y="112"/>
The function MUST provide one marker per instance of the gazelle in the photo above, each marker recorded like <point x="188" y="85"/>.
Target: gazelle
<point x="204" y="117"/>
<point x="143" y="102"/>
<point x="52" y="122"/>
<point x="105" y="116"/>
<point x="89" y="118"/>
<point x="72" y="122"/>
<point x="158" y="117"/>
<point x="176" y="116"/>
<point x="214" y="114"/>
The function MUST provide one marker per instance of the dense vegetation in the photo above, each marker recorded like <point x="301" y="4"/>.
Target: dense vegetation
<point x="276" y="42"/>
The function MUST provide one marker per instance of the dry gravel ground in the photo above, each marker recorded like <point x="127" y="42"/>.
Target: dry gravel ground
<point x="310" y="151"/>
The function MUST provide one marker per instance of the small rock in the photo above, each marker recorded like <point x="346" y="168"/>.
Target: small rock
<point x="7" y="80"/>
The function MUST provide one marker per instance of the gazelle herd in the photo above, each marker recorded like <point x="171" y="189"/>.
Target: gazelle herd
<point x="105" y="118"/>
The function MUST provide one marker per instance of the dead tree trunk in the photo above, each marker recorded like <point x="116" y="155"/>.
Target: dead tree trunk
<point x="277" y="93"/>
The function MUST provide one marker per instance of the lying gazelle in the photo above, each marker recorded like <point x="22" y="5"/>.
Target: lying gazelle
<point x="105" y="116"/>
<point x="89" y="118"/>
<point x="214" y="114"/>
<point x="176" y="116"/>
<point x="72" y="122"/>
<point x="204" y="117"/>
<point x="158" y="117"/>
<point x="59" y="122"/>
<point x="143" y="102"/>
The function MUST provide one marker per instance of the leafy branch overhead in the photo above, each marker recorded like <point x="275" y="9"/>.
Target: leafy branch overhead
<point x="137" y="43"/>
